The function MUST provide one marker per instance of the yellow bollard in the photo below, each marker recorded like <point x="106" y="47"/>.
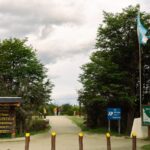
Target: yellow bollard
<point x="27" y="141"/>
<point x="80" y="141"/>
<point x="53" y="140"/>
<point x="133" y="141"/>
<point x="108" y="141"/>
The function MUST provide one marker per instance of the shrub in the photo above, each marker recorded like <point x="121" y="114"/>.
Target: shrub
<point x="39" y="125"/>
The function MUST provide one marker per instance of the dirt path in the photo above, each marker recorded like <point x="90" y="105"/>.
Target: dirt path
<point x="62" y="125"/>
<point x="67" y="139"/>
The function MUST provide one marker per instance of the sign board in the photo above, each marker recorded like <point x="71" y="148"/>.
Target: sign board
<point x="113" y="113"/>
<point x="146" y="115"/>
<point x="8" y="114"/>
<point x="7" y="118"/>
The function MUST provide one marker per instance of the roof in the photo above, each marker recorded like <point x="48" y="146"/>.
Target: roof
<point x="10" y="99"/>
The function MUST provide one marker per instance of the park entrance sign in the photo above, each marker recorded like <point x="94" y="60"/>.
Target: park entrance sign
<point x="114" y="114"/>
<point x="8" y="114"/>
<point x="146" y="115"/>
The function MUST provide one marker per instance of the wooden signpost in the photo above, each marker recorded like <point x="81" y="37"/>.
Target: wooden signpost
<point x="8" y="114"/>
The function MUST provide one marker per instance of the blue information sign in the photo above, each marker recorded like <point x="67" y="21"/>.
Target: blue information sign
<point x="113" y="113"/>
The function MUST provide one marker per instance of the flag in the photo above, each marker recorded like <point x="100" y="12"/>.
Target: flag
<point x="141" y="31"/>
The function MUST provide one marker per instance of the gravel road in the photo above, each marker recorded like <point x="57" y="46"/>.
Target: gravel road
<point x="67" y="139"/>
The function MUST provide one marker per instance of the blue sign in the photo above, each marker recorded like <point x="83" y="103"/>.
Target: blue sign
<point x="113" y="113"/>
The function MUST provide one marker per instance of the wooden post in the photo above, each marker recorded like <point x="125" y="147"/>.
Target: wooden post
<point x="27" y="141"/>
<point x="108" y="141"/>
<point x="53" y="140"/>
<point x="80" y="141"/>
<point x="133" y="141"/>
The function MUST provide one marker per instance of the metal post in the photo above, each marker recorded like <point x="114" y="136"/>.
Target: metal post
<point x="133" y="141"/>
<point x="108" y="141"/>
<point x="53" y="140"/>
<point x="109" y="125"/>
<point x="27" y="141"/>
<point x="119" y="126"/>
<point x="80" y="141"/>
<point x="140" y="78"/>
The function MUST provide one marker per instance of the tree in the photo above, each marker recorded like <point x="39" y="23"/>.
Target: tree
<point x="22" y="74"/>
<point x="67" y="109"/>
<point x="111" y="78"/>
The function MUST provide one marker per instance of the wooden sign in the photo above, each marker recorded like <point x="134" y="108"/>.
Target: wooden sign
<point x="8" y="114"/>
<point x="7" y="119"/>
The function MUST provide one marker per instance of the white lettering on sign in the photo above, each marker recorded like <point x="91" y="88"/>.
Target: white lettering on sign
<point x="110" y="113"/>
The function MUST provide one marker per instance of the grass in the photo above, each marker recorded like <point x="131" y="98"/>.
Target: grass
<point x="79" y="121"/>
<point x="8" y="136"/>
<point x="146" y="147"/>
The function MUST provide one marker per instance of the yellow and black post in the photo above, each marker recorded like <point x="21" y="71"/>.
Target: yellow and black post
<point x="53" y="140"/>
<point x="133" y="141"/>
<point x="81" y="141"/>
<point x="108" y="141"/>
<point x="27" y="141"/>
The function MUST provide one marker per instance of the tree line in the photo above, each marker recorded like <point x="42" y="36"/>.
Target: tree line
<point x="111" y="77"/>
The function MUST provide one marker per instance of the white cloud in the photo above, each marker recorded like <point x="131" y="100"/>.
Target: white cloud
<point x="65" y="74"/>
<point x="62" y="31"/>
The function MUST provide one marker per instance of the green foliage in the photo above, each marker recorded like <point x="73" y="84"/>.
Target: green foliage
<point x="110" y="79"/>
<point x="146" y="147"/>
<point x="50" y="108"/>
<point x="23" y="75"/>
<point x="67" y="109"/>
<point x="39" y="125"/>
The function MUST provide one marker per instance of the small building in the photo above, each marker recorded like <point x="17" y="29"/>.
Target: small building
<point x="8" y="114"/>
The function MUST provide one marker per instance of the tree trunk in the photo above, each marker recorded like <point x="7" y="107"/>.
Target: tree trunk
<point x="21" y="128"/>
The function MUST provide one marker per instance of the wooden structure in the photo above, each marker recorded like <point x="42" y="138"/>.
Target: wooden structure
<point x="8" y="114"/>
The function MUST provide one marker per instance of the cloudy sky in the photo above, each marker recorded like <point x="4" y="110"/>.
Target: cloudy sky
<point x="62" y="31"/>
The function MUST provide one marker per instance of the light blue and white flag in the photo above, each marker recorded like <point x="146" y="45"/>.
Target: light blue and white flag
<point x="141" y="31"/>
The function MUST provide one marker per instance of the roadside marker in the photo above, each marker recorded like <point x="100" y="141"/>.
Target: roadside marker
<point x="27" y="141"/>
<point x="133" y="141"/>
<point x="80" y="141"/>
<point x="108" y="141"/>
<point x="53" y="140"/>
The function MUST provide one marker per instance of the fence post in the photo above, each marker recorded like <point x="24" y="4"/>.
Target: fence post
<point x="133" y="141"/>
<point x="108" y="141"/>
<point x="27" y="141"/>
<point x="80" y="141"/>
<point x="53" y="140"/>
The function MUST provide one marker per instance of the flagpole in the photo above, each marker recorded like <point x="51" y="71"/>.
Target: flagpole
<point x="142" y="39"/>
<point x="140" y="78"/>
<point x="140" y="68"/>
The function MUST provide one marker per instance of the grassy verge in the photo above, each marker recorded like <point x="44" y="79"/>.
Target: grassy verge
<point x="79" y="121"/>
<point x="146" y="147"/>
<point x="8" y="136"/>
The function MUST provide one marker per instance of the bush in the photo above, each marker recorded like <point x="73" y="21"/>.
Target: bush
<point x="146" y="147"/>
<point x="66" y="109"/>
<point x="39" y="125"/>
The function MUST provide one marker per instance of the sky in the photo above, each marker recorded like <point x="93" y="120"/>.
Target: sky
<point x="63" y="32"/>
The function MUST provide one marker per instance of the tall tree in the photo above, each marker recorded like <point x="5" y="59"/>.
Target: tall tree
<point x="111" y="78"/>
<point x="22" y="74"/>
